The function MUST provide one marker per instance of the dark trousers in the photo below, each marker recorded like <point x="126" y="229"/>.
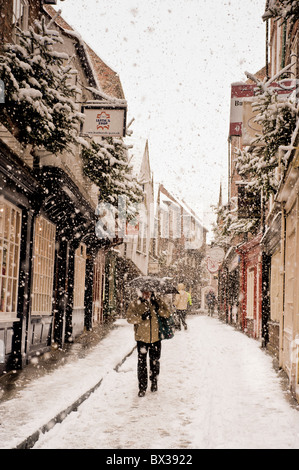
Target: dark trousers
<point x="181" y="314"/>
<point x="211" y="309"/>
<point x="154" y="350"/>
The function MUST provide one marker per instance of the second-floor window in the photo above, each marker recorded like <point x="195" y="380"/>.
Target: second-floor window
<point x="20" y="16"/>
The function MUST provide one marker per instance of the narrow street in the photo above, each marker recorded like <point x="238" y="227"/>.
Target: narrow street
<point x="217" y="390"/>
<point x="149" y="165"/>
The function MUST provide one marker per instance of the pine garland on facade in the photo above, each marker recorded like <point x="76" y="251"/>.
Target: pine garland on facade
<point x="259" y="163"/>
<point x="40" y="99"/>
<point x="230" y="225"/>
<point x="277" y="115"/>
<point x="106" y="164"/>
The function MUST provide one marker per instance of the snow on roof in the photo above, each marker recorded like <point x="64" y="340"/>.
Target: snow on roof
<point x="107" y="80"/>
<point x="167" y="197"/>
<point x="164" y="199"/>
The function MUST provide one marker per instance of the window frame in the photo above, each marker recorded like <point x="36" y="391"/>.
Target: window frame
<point x="80" y="258"/>
<point x="20" y="16"/>
<point x="13" y="247"/>
<point x="43" y="267"/>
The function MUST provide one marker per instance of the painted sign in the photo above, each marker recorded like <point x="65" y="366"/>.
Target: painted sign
<point x="213" y="266"/>
<point x="250" y="128"/>
<point x="240" y="93"/>
<point x="216" y="253"/>
<point x="214" y="258"/>
<point x="104" y="120"/>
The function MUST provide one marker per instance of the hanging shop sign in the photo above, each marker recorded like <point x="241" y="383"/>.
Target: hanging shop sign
<point x="238" y="93"/>
<point x="104" y="119"/>
<point x="244" y="93"/>
<point x="216" y="253"/>
<point x="214" y="258"/>
<point x="250" y="128"/>
<point x="212" y="266"/>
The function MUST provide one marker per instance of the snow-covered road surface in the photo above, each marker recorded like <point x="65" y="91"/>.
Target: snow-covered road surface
<point x="217" y="390"/>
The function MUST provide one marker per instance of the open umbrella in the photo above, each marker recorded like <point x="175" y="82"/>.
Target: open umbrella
<point x="163" y="285"/>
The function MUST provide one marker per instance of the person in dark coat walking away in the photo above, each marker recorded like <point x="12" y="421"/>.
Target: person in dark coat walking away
<point x="142" y="313"/>
<point x="211" y="301"/>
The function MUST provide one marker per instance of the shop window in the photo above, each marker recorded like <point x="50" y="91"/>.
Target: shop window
<point x="43" y="266"/>
<point x="98" y="287"/>
<point x="10" y="236"/>
<point x="250" y="293"/>
<point x="79" y="276"/>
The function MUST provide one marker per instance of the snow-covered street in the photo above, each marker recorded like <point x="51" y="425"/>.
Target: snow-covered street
<point x="217" y="390"/>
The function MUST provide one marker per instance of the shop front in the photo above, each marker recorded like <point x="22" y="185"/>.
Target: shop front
<point x="18" y="204"/>
<point x="251" y="287"/>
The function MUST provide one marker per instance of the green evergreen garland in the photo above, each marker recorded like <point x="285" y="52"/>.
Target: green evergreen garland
<point x="39" y="103"/>
<point x="106" y="164"/>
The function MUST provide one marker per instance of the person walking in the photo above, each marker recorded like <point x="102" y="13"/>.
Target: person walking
<point x="211" y="301"/>
<point x="142" y="313"/>
<point x="181" y="304"/>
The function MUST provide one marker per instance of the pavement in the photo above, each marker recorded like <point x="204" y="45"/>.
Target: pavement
<point x="15" y="380"/>
<point x="12" y="382"/>
<point x="53" y="385"/>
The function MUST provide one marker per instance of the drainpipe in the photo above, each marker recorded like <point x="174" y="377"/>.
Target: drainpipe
<point x="284" y="42"/>
<point x="267" y="50"/>
<point x="229" y="168"/>
<point x="281" y="323"/>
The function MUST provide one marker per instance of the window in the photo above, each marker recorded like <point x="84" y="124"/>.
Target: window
<point x="79" y="277"/>
<point x="98" y="287"/>
<point x="20" y="16"/>
<point x="43" y="266"/>
<point x="10" y="236"/>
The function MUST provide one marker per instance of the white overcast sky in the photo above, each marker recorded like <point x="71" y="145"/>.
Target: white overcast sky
<point x="176" y="60"/>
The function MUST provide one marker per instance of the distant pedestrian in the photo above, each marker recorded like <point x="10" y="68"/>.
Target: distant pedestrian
<point x="142" y="313"/>
<point x="181" y="305"/>
<point x="211" y="302"/>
